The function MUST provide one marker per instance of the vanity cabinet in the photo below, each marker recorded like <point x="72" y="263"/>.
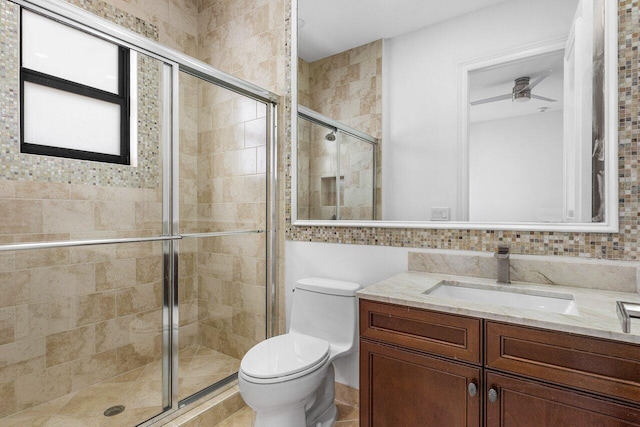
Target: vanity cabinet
<point x="421" y="368"/>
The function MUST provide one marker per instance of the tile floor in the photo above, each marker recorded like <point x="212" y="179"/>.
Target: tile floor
<point x="139" y="390"/>
<point x="348" y="416"/>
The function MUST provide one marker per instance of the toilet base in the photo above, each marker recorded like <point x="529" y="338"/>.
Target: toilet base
<point x="323" y="412"/>
<point x="327" y="419"/>
<point x="293" y="417"/>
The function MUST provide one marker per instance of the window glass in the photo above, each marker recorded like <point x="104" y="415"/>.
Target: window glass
<point x="53" y="48"/>
<point x="76" y="122"/>
<point x="75" y="93"/>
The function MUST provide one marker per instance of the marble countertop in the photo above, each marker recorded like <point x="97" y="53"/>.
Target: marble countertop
<point x="597" y="308"/>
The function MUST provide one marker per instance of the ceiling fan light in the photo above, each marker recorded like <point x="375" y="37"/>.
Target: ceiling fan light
<point x="521" y="91"/>
<point x="522" y="97"/>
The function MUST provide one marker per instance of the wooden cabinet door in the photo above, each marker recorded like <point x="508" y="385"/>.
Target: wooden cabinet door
<point x="523" y="403"/>
<point x="400" y="388"/>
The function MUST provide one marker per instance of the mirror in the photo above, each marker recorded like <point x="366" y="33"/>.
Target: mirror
<point x="469" y="114"/>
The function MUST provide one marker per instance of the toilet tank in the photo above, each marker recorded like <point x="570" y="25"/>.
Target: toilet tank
<point x="327" y="309"/>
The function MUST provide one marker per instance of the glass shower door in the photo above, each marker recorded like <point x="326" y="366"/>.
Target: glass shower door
<point x="222" y="217"/>
<point x="357" y="167"/>
<point x="82" y="295"/>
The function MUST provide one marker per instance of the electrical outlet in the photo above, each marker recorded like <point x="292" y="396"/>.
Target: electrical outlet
<point x="440" y="214"/>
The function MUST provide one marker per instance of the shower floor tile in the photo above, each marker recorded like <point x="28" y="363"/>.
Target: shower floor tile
<point x="138" y="390"/>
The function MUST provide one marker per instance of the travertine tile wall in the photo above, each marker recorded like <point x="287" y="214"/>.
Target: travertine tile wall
<point x="245" y="39"/>
<point x="173" y="23"/>
<point x="188" y="210"/>
<point x="316" y="162"/>
<point x="357" y="168"/>
<point x="222" y="161"/>
<point x="176" y="20"/>
<point x="304" y="83"/>
<point x="304" y="143"/>
<point x="232" y="297"/>
<point x="622" y="245"/>
<point x="72" y="317"/>
<point x="303" y="165"/>
<point x="323" y="187"/>
<point x="231" y="196"/>
<point x="346" y="87"/>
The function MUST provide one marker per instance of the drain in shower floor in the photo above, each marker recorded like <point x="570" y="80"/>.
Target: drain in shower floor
<point x="114" y="410"/>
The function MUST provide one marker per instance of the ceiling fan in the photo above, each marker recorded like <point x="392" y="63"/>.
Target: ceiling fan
<point x="521" y="92"/>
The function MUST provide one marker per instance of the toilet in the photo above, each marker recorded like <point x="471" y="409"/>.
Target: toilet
<point x="288" y="380"/>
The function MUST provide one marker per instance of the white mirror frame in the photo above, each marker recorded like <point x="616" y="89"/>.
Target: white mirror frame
<point x="610" y="225"/>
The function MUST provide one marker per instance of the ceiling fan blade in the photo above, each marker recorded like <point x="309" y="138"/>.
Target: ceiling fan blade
<point x="542" y="98"/>
<point x="535" y="83"/>
<point x="494" y="99"/>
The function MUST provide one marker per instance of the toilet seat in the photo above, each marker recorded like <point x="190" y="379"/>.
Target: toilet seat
<point x="284" y="358"/>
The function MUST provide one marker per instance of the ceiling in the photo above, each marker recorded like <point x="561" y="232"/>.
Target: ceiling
<point x="333" y="26"/>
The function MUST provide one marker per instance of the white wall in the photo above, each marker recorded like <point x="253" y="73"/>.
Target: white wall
<point x="355" y="263"/>
<point x="521" y="157"/>
<point x="420" y="107"/>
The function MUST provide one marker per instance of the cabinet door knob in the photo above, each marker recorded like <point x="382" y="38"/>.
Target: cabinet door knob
<point x="493" y="395"/>
<point x="473" y="388"/>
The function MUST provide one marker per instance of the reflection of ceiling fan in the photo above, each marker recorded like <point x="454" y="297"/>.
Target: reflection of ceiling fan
<point x="521" y="92"/>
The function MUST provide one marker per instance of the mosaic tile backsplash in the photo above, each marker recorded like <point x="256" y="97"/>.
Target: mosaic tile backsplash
<point x="622" y="245"/>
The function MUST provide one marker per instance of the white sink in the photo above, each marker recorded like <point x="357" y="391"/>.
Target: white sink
<point x="552" y="302"/>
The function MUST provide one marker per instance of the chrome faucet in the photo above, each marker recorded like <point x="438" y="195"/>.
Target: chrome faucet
<point x="503" y="264"/>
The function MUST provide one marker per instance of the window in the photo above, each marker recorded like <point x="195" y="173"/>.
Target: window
<point x="74" y="90"/>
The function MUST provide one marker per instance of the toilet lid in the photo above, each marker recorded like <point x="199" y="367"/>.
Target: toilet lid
<point x="284" y="355"/>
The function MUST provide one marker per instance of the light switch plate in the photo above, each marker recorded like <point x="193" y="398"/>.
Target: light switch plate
<point x="440" y="214"/>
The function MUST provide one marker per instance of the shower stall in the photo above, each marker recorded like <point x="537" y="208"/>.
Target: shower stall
<point x="137" y="233"/>
<point x="338" y="170"/>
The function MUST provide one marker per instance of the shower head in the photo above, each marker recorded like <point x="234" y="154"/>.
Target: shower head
<point x="331" y="136"/>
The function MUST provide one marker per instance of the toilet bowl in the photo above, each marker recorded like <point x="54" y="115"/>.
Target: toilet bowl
<point x="288" y="380"/>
